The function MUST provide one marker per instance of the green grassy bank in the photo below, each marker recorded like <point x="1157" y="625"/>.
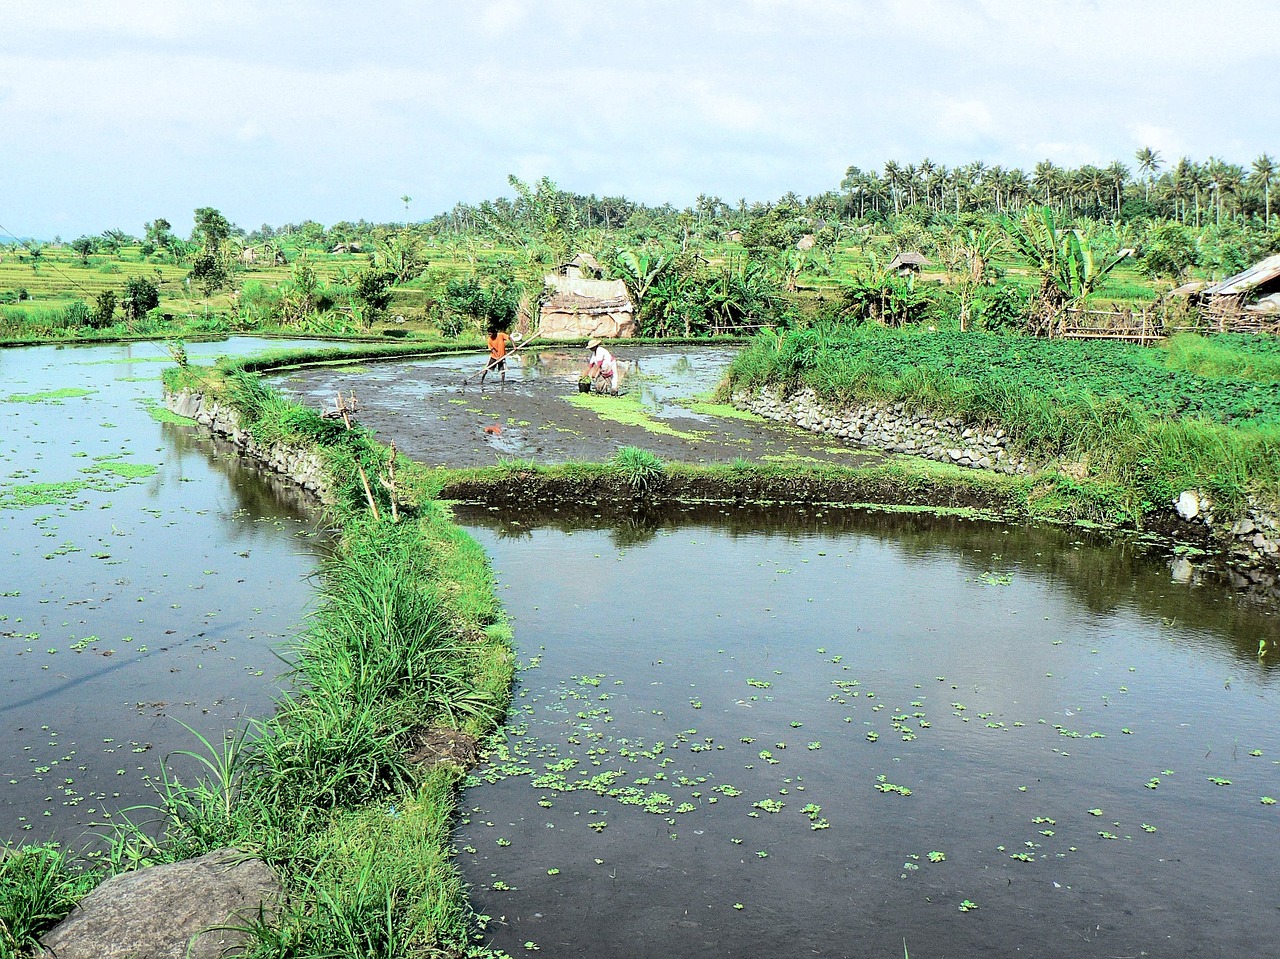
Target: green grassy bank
<point x="407" y="650"/>
<point x="1135" y="425"/>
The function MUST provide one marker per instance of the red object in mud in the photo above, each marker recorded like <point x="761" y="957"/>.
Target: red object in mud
<point x="495" y="429"/>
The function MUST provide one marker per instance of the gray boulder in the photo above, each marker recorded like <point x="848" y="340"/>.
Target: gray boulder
<point x="169" y="911"/>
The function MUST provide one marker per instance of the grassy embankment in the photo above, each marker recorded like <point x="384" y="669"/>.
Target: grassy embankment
<point x="1124" y="429"/>
<point x="408" y="637"/>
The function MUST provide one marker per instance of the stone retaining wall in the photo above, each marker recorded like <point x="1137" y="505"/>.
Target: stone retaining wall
<point x="1250" y="546"/>
<point x="1251" y="543"/>
<point x="302" y="466"/>
<point x="889" y="427"/>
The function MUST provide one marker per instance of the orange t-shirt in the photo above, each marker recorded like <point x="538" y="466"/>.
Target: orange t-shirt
<point x="498" y="345"/>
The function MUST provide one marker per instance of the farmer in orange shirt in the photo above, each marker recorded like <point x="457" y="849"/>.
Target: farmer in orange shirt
<point x="499" y="342"/>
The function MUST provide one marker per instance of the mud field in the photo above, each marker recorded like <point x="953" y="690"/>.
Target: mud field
<point x="539" y="414"/>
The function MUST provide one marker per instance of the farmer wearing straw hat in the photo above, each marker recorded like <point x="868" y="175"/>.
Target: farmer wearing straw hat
<point x="600" y="362"/>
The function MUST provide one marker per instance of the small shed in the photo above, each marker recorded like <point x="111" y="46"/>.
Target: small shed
<point x="252" y="254"/>
<point x="352" y="247"/>
<point x="733" y="236"/>
<point x="910" y="262"/>
<point x="1260" y="280"/>
<point x="807" y="242"/>
<point x="582" y="266"/>
<point x="579" y="307"/>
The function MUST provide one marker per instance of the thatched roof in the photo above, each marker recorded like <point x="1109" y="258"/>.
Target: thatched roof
<point x="807" y="242"/>
<point x="583" y="261"/>
<point x="909" y="261"/>
<point x="590" y="305"/>
<point x="1260" y="274"/>
<point x="1188" y="289"/>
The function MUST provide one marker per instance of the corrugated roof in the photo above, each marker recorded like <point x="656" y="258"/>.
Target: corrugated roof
<point x="1256" y="275"/>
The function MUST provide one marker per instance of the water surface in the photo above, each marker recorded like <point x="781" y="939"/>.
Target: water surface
<point x="149" y="576"/>
<point x="829" y="732"/>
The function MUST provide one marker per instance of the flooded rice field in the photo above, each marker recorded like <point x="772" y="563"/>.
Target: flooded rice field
<point x="539" y="414"/>
<point x="149" y="576"/>
<point x="842" y="733"/>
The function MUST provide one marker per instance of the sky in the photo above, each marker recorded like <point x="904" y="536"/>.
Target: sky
<point x="115" y="112"/>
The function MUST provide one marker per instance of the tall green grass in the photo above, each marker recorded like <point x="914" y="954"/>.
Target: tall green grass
<point x="1214" y="358"/>
<point x="407" y="635"/>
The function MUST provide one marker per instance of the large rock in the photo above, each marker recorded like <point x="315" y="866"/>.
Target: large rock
<point x="170" y="911"/>
<point x="1188" y="504"/>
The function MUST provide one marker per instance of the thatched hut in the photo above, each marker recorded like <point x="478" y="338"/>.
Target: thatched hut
<point x="579" y="307"/>
<point x="252" y="254"/>
<point x="733" y="236"/>
<point x="583" y="265"/>
<point x="910" y="262"/>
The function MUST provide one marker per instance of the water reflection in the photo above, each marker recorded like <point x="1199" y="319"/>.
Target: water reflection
<point x="157" y="590"/>
<point x="1045" y="711"/>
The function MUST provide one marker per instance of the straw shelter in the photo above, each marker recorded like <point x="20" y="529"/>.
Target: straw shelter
<point x="909" y="263"/>
<point x="583" y="265"/>
<point x="1259" y="281"/>
<point x="579" y="308"/>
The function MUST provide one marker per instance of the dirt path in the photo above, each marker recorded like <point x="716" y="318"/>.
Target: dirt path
<point x="538" y="413"/>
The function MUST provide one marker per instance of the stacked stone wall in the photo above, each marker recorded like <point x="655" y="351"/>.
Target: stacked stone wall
<point x="304" y="467"/>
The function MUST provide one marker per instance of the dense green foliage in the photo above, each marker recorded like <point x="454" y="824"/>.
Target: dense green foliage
<point x="710" y="267"/>
<point x="1145" y="423"/>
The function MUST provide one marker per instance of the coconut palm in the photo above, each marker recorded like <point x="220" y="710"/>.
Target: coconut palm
<point x="1264" y="170"/>
<point x="1148" y="164"/>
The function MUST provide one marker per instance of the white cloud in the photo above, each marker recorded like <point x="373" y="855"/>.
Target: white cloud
<point x="330" y="106"/>
<point x="963" y="121"/>
<point x="1161" y="139"/>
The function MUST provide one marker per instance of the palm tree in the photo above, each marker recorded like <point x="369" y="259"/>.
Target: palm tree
<point x="1048" y="178"/>
<point x="1148" y="163"/>
<point x="1118" y="174"/>
<point x="1264" y="169"/>
<point x="926" y="169"/>
<point x="893" y="177"/>
<point x="1219" y="182"/>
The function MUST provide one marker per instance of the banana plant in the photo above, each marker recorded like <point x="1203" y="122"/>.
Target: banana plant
<point x="1069" y="271"/>
<point x="639" y="271"/>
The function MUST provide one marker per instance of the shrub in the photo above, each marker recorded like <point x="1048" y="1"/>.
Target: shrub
<point x="639" y="469"/>
<point x="140" y="297"/>
<point x="104" y="309"/>
<point x="76" y="314"/>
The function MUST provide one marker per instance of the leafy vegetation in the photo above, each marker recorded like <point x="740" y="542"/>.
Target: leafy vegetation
<point x="1146" y="424"/>
<point x="999" y="245"/>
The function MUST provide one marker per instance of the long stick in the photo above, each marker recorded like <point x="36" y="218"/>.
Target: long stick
<point x="494" y="362"/>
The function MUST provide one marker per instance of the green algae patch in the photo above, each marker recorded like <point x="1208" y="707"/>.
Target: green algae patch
<point x="49" y="396"/>
<point x="122" y="469"/>
<point x="627" y="411"/>
<point x="721" y="410"/>
<point x="162" y="414"/>
<point x="41" y="494"/>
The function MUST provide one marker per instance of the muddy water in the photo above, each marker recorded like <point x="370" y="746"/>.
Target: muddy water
<point x="148" y="576"/>
<point x="538" y="413"/>
<point x="833" y="733"/>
